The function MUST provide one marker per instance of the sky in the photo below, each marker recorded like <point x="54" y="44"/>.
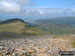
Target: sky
<point x="54" y="3"/>
<point x="30" y="10"/>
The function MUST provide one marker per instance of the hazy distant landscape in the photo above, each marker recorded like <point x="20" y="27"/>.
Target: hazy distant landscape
<point x="59" y="25"/>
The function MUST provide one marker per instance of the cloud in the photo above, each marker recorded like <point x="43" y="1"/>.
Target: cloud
<point x="21" y="2"/>
<point x="45" y="11"/>
<point x="18" y="6"/>
<point x="7" y="7"/>
<point x="33" y="14"/>
<point x="13" y="6"/>
<point x="49" y="12"/>
<point x="73" y="10"/>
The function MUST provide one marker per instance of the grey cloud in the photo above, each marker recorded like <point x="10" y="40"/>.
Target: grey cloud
<point x="13" y="6"/>
<point x="49" y="12"/>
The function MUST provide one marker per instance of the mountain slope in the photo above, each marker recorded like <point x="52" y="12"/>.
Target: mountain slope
<point x="19" y="26"/>
<point x="60" y="25"/>
<point x="12" y="25"/>
<point x="11" y="21"/>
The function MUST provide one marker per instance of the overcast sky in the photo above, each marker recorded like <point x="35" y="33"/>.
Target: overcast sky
<point x="34" y="9"/>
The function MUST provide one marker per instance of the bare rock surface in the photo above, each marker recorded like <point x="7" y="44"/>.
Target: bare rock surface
<point x="34" y="46"/>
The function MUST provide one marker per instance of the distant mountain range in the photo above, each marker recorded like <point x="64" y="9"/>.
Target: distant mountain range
<point x="0" y="20"/>
<point x="59" y="25"/>
<point x="59" y="20"/>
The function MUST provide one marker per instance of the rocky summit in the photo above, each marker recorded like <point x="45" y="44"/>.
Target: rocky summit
<point x="34" y="46"/>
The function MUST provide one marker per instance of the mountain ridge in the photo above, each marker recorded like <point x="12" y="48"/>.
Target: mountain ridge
<point x="58" y="20"/>
<point x="12" y="20"/>
<point x="19" y="26"/>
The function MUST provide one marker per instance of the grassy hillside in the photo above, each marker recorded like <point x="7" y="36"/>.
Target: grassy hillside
<point x="19" y="26"/>
<point x="12" y="26"/>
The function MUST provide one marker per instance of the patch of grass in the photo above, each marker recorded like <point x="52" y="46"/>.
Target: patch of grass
<point x="73" y="44"/>
<point x="12" y="27"/>
<point x="59" y="30"/>
<point x="32" y="31"/>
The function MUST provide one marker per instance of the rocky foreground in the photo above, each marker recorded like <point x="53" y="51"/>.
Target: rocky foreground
<point x="34" y="46"/>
